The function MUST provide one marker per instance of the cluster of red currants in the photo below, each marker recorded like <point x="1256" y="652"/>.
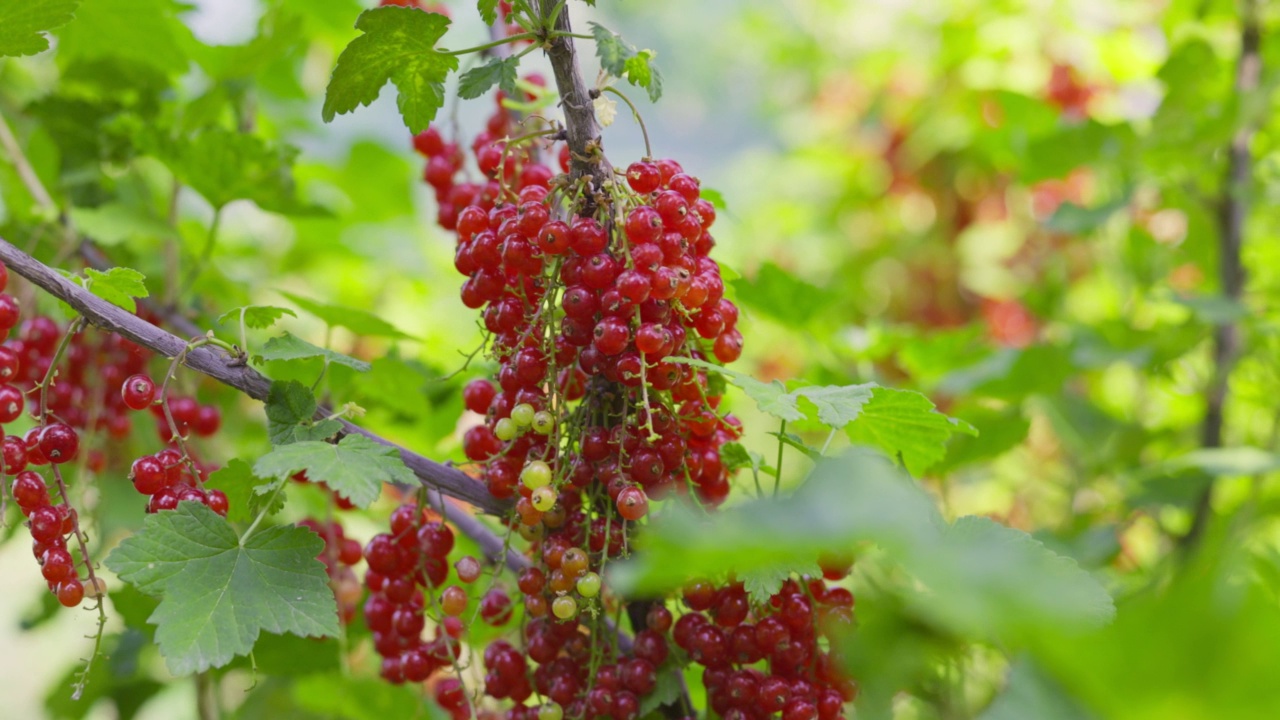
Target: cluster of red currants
<point x="168" y="477"/>
<point x="594" y="298"/>
<point x="411" y="557"/>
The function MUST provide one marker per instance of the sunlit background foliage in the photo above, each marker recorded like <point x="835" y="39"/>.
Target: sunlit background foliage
<point x="1011" y="207"/>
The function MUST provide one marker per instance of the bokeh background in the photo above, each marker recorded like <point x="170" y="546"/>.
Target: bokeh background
<point x="1007" y="205"/>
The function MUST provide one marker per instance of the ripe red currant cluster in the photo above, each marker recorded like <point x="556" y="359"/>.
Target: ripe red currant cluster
<point x="411" y="557"/>
<point x="169" y="477"/>
<point x="593" y="299"/>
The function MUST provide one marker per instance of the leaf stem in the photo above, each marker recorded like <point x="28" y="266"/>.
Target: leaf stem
<point x="777" y="479"/>
<point x="504" y="41"/>
<point x="648" y="151"/>
<point x="261" y="513"/>
<point x="49" y="374"/>
<point x="206" y="253"/>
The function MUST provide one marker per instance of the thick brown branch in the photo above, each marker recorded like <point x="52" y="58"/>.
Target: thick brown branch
<point x="586" y="156"/>
<point x="450" y="481"/>
<point x="1232" y="213"/>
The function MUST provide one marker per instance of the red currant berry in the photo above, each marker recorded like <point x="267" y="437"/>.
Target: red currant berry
<point x="139" y="392"/>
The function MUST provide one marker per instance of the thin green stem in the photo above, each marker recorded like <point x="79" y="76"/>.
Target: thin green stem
<point x="262" y="514"/>
<point x="648" y="152"/>
<point x="830" y="436"/>
<point x="210" y="240"/>
<point x="480" y="48"/>
<point x="49" y="374"/>
<point x="777" y="479"/>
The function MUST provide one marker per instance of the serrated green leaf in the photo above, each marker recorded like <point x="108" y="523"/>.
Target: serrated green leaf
<point x="256" y="317"/>
<point x="984" y="578"/>
<point x="612" y="50"/>
<point x="763" y="583"/>
<point x="772" y="397"/>
<point x="498" y="71"/>
<point x="218" y="595"/>
<point x="398" y="44"/>
<point x="355" y="468"/>
<point x="397" y="385"/>
<point x="488" y="11"/>
<point x="291" y="410"/>
<point x="290" y="347"/>
<point x="838" y="405"/>
<point x="24" y="22"/>
<point x="641" y="72"/>
<point x="224" y="165"/>
<point x="905" y="423"/>
<point x="734" y="456"/>
<point x="118" y="286"/>
<point x="148" y="32"/>
<point x="241" y="486"/>
<point x="360" y="322"/>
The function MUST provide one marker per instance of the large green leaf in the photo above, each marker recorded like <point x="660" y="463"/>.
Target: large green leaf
<point x="906" y="424"/>
<point x="291" y="347"/>
<point x="142" y="31"/>
<point x="23" y="23"/>
<point x="355" y="468"/>
<point x="247" y="494"/>
<point x="218" y="594"/>
<point x="398" y="45"/>
<point x="291" y="410"/>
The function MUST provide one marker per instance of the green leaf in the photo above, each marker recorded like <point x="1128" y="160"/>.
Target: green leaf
<point x="355" y="468"/>
<point x="291" y="410"/>
<point x="290" y="347"/>
<point x="216" y="594"/>
<point x="1237" y="461"/>
<point x="906" y="424"/>
<point x="398" y="45"/>
<point x="242" y="487"/>
<point x="716" y="198"/>
<point x="622" y="60"/>
<point x="782" y="296"/>
<point x="736" y="457"/>
<point x="983" y="578"/>
<point x="256" y="317"/>
<point x="360" y="322"/>
<point x="612" y="50"/>
<point x="772" y="398"/>
<point x="224" y="165"/>
<point x="1072" y="219"/>
<point x="763" y="583"/>
<point x="397" y="385"/>
<point x="23" y="22"/>
<point x="643" y="73"/>
<point x="838" y="405"/>
<point x="142" y="31"/>
<point x="113" y="223"/>
<point x="343" y="696"/>
<point x="118" y="286"/>
<point x="498" y="71"/>
<point x="488" y="11"/>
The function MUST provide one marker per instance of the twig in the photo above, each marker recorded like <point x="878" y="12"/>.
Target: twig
<point x="1232" y="211"/>
<point x="205" y="360"/>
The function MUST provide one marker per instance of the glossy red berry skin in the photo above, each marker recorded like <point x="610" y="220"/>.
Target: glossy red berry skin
<point x="59" y="443"/>
<point x="139" y="391"/>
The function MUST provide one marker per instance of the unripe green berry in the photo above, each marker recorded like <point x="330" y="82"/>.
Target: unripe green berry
<point x="505" y="430"/>
<point x="544" y="498"/>
<point x="564" y="607"/>
<point x="551" y="711"/>
<point x="535" y="475"/>
<point x="589" y="585"/>
<point x="522" y="415"/>
<point x="543" y="422"/>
